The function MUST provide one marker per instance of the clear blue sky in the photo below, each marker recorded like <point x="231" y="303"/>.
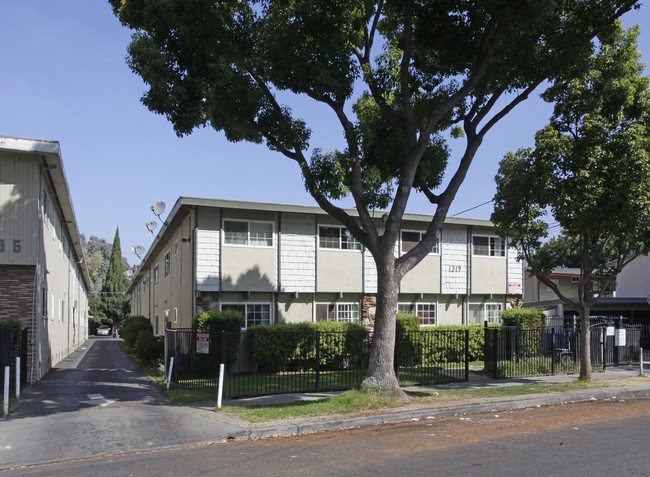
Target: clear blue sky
<point x="64" y="78"/>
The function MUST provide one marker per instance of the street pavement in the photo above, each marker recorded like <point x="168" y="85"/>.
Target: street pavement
<point x="97" y="403"/>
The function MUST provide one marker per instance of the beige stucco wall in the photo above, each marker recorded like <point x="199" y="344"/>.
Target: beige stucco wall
<point x="295" y="310"/>
<point x="489" y="275"/>
<point x="339" y="271"/>
<point x="247" y="268"/>
<point x="424" y="277"/>
<point x="634" y="280"/>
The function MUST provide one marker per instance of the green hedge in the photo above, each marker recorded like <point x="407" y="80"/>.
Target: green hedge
<point x="130" y="328"/>
<point x="523" y="317"/>
<point x="214" y="322"/>
<point x="292" y="346"/>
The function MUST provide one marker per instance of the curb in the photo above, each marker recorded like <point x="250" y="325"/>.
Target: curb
<point x="434" y="413"/>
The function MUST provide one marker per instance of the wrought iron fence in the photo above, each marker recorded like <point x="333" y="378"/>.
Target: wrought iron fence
<point x="534" y="351"/>
<point x="12" y="345"/>
<point x="258" y="362"/>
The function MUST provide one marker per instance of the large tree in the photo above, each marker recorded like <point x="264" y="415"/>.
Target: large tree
<point x="115" y="303"/>
<point x="589" y="169"/>
<point x="398" y="76"/>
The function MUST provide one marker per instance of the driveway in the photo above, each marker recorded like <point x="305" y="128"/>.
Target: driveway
<point x="97" y="403"/>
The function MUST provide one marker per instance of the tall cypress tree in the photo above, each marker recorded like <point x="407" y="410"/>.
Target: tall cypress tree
<point x="115" y="303"/>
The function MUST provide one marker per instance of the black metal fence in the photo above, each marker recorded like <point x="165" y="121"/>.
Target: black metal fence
<point x="13" y="344"/>
<point x="533" y="351"/>
<point x="258" y="362"/>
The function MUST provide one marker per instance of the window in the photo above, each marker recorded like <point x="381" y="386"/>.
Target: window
<point x="481" y="312"/>
<point x="425" y="311"/>
<point x="44" y="301"/>
<point x="166" y="319"/>
<point x="488" y="246"/>
<point x="175" y="315"/>
<point x="248" y="233"/>
<point x="336" y="238"/>
<point x="411" y="238"/>
<point x="575" y="279"/>
<point x="254" y="313"/>
<point x="168" y="263"/>
<point x="156" y="274"/>
<point x="176" y="248"/>
<point x="347" y="312"/>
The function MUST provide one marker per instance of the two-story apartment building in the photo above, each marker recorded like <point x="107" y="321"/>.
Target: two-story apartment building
<point x="290" y="263"/>
<point x="44" y="282"/>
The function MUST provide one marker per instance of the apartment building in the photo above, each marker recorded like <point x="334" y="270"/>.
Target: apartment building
<point x="44" y="282"/>
<point x="291" y="263"/>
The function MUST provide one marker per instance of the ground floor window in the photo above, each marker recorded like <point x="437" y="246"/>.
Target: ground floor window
<point x="254" y="313"/>
<point x="346" y="312"/>
<point x="481" y="312"/>
<point x="426" y="312"/>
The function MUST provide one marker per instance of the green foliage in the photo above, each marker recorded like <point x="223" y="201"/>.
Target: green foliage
<point x="214" y="321"/>
<point x="131" y="327"/>
<point x="115" y="304"/>
<point x="149" y="348"/>
<point x="292" y="346"/>
<point x="523" y="317"/>
<point x="12" y="325"/>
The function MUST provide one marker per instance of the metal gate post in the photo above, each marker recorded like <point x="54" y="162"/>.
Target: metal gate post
<point x="317" y="361"/>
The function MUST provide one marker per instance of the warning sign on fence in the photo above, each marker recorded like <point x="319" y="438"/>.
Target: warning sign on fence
<point x="203" y="343"/>
<point x="620" y="337"/>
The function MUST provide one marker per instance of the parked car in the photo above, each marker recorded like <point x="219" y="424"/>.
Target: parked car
<point x="104" y="330"/>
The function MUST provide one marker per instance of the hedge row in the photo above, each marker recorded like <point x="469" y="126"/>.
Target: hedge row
<point x="292" y="346"/>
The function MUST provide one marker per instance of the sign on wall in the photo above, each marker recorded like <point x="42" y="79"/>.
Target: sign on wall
<point x="514" y="288"/>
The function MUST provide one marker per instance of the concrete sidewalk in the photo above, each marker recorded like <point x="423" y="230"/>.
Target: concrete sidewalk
<point x="31" y="438"/>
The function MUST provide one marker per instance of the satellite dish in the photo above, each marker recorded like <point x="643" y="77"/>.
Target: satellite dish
<point x="158" y="208"/>
<point x="151" y="226"/>
<point x="128" y="273"/>
<point x="138" y="250"/>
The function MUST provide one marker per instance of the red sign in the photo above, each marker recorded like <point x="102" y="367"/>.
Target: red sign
<point x="203" y="343"/>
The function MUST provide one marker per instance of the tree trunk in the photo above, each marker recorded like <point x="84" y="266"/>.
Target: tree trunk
<point x="381" y="369"/>
<point x="585" y="346"/>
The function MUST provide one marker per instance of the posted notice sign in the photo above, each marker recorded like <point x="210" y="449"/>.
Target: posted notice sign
<point x="203" y="343"/>
<point x="620" y="337"/>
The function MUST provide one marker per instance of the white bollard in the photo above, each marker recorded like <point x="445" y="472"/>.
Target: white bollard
<point x="171" y="366"/>
<point x="220" y="393"/>
<point x="641" y="360"/>
<point x="18" y="377"/>
<point x="5" y="410"/>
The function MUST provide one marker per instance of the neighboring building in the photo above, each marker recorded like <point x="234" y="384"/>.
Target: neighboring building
<point x="631" y="299"/>
<point x="44" y="281"/>
<point x="289" y="263"/>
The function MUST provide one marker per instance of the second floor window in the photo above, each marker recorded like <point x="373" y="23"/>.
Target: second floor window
<point x="488" y="246"/>
<point x="336" y="238"/>
<point x="248" y="233"/>
<point x="411" y="238"/>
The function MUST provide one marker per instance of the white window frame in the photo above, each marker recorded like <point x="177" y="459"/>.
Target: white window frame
<point x="434" y="251"/>
<point x="175" y="315"/>
<point x="248" y="223"/>
<point x="175" y="248"/>
<point x="415" y="310"/>
<point x="167" y="264"/>
<point x="156" y="274"/>
<point x="340" y="310"/>
<point x="246" y="305"/>
<point x="491" y="246"/>
<point x="484" y="311"/>
<point x="357" y="247"/>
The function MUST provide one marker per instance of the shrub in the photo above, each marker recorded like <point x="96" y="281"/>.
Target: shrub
<point x="407" y="342"/>
<point x="214" y="323"/>
<point x="130" y="328"/>
<point x="523" y="317"/>
<point x="292" y="346"/>
<point x="12" y="325"/>
<point x="149" y="348"/>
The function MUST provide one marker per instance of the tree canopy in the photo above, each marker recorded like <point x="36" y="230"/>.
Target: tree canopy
<point x="115" y="304"/>
<point x="398" y="77"/>
<point x="590" y="170"/>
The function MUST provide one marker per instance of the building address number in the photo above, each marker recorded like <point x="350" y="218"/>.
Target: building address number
<point x="16" y="245"/>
